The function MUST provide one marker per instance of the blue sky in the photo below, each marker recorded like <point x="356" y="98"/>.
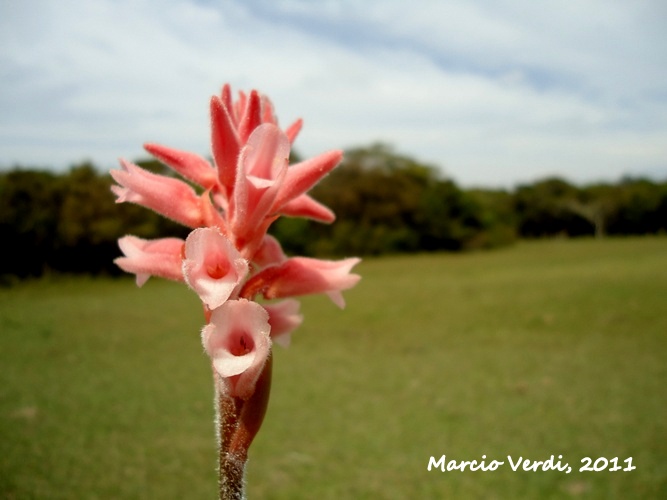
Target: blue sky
<point x="493" y="92"/>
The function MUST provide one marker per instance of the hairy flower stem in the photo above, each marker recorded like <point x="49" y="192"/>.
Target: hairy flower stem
<point x="238" y="424"/>
<point x="231" y="469"/>
<point x="232" y="483"/>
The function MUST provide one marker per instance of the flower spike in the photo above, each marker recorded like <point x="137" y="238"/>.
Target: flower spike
<point x="237" y="340"/>
<point x="229" y="259"/>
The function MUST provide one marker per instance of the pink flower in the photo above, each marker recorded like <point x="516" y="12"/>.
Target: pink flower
<point x="301" y="276"/>
<point x="284" y="318"/>
<point x="212" y="266"/>
<point x="304" y="175"/>
<point x="189" y="165"/>
<point x="225" y="144"/>
<point x="232" y="124"/>
<point x="146" y="258"/>
<point x="262" y="166"/>
<point x="265" y="186"/>
<point x="170" y="197"/>
<point x="237" y="340"/>
<point x="305" y="206"/>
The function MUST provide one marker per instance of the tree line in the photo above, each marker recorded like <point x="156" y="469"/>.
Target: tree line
<point x="384" y="202"/>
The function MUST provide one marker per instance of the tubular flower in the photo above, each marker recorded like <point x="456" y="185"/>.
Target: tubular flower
<point x="169" y="197"/>
<point x="301" y="276"/>
<point x="189" y="165"/>
<point x="262" y="166"/>
<point x="238" y="342"/>
<point x="212" y="266"/>
<point x="147" y="258"/>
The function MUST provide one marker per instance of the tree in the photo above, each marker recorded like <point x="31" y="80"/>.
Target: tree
<point x="640" y="208"/>
<point x="545" y="208"/>
<point x="387" y="203"/>
<point x="29" y="205"/>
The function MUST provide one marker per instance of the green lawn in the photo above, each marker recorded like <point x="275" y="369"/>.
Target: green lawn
<point x="546" y="348"/>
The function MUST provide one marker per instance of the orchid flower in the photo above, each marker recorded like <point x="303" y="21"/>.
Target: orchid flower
<point x="212" y="266"/>
<point x="229" y="258"/>
<point x="301" y="276"/>
<point x="169" y="197"/>
<point x="238" y="341"/>
<point x="146" y="258"/>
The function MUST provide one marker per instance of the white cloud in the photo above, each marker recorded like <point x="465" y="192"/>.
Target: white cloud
<point x="495" y="92"/>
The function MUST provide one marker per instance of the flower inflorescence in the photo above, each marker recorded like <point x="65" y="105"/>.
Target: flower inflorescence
<point x="228" y="258"/>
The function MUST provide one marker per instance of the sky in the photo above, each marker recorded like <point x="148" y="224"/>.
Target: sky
<point x="494" y="93"/>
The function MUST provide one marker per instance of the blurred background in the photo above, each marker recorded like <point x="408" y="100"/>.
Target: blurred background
<point x="538" y="131"/>
<point x="492" y="93"/>
<point x="466" y="124"/>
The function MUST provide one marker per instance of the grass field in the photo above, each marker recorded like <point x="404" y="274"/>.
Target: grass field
<point x="546" y="348"/>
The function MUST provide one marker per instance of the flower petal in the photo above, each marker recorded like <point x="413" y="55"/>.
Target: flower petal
<point x="146" y="258"/>
<point x="261" y="169"/>
<point x="301" y="276"/>
<point x="293" y="130"/>
<point x="266" y="154"/>
<point x="225" y="144"/>
<point x="167" y="196"/>
<point x="189" y="165"/>
<point x="252" y="116"/>
<point x="305" y="206"/>
<point x="304" y="175"/>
